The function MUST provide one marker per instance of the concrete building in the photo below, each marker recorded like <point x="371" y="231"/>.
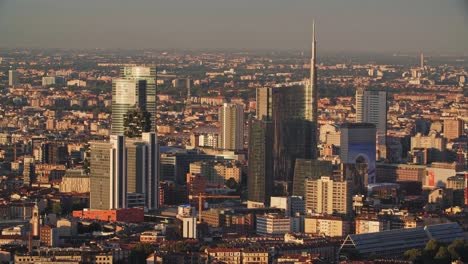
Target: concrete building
<point x="326" y="225"/>
<point x="433" y="141"/>
<point x="453" y="128"/>
<point x="231" y="120"/>
<point x="330" y="134"/>
<point x="438" y="173"/>
<point x="124" y="173"/>
<point x="189" y="227"/>
<point x="48" y="80"/>
<point x="49" y="236"/>
<point x="292" y="205"/>
<point x="325" y="196"/>
<point x="309" y="169"/>
<point x="108" y="177"/>
<point x="366" y="225"/>
<point x="400" y="172"/>
<point x="456" y="182"/>
<point x="217" y="172"/>
<point x="273" y="224"/>
<point x="143" y="168"/>
<point x="225" y="255"/>
<point x="67" y="228"/>
<point x="75" y="181"/>
<point x="12" y="77"/>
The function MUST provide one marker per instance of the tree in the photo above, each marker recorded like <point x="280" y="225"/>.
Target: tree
<point x="456" y="249"/>
<point x="232" y="184"/>
<point x="57" y="208"/>
<point x="140" y="252"/>
<point x="414" y="255"/>
<point x="432" y="247"/>
<point x="136" y="122"/>
<point x="442" y="256"/>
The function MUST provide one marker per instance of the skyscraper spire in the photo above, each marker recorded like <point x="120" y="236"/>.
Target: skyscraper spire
<point x="422" y="61"/>
<point x="314" y="90"/>
<point x="312" y="59"/>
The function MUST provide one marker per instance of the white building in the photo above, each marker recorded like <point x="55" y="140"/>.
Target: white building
<point x="12" y="78"/>
<point x="273" y="224"/>
<point x="48" y="80"/>
<point x="189" y="227"/>
<point x="292" y="205"/>
<point x="371" y="107"/>
<point x="325" y="196"/>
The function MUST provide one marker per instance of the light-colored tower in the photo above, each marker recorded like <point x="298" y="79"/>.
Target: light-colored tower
<point x="127" y="94"/>
<point x="108" y="174"/>
<point x="325" y="196"/>
<point x="264" y="103"/>
<point x="12" y="77"/>
<point x="148" y="74"/>
<point x="313" y="93"/>
<point x="231" y="119"/>
<point x="453" y="128"/>
<point x="371" y="107"/>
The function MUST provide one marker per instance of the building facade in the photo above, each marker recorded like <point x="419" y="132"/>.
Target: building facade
<point x="325" y="196"/>
<point x="371" y="107"/>
<point x="231" y="120"/>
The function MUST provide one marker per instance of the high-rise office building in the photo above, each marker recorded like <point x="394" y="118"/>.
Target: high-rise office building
<point x="142" y="170"/>
<point x="295" y="116"/>
<point x="127" y="95"/>
<point x="231" y="119"/>
<point x="149" y="75"/>
<point x="292" y="110"/>
<point x="326" y="196"/>
<point x="371" y="107"/>
<point x="12" y="78"/>
<point x="124" y="173"/>
<point x="358" y="150"/>
<point x="264" y="103"/>
<point x="293" y="132"/>
<point x="260" y="170"/>
<point x="108" y="177"/>
<point x="309" y="169"/>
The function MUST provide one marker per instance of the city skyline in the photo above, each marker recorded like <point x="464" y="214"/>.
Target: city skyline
<point x="225" y="147"/>
<point x="371" y="26"/>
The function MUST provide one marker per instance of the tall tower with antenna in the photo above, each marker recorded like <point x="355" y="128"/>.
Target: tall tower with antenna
<point x="314" y="93"/>
<point x="422" y="61"/>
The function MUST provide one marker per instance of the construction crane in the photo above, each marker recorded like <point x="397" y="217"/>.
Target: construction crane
<point x="202" y="196"/>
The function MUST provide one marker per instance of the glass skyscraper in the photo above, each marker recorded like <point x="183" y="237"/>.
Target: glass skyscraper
<point x="149" y="75"/>
<point x="260" y="170"/>
<point x="293" y="129"/>
<point x="127" y="95"/>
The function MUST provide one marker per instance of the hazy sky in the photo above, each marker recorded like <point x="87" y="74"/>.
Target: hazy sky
<point x="342" y="25"/>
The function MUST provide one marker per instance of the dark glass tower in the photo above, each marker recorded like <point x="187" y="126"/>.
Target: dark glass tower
<point x="260" y="170"/>
<point x="293" y="132"/>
